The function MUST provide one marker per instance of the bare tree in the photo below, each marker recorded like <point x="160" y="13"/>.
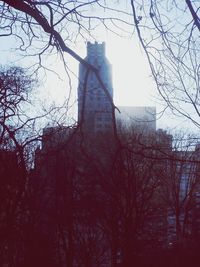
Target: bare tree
<point x="180" y="184"/>
<point x="128" y="191"/>
<point x="107" y="205"/>
<point x="169" y="34"/>
<point x="54" y="26"/>
<point x="15" y="87"/>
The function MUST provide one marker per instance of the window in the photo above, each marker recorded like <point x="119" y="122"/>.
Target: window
<point x="108" y="118"/>
<point x="99" y="125"/>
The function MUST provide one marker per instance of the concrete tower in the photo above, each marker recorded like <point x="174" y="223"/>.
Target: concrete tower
<point x="97" y="112"/>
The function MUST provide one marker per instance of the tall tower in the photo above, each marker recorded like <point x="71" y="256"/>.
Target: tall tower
<point x="94" y="106"/>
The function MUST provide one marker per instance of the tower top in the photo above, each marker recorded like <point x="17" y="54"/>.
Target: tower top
<point x="96" y="48"/>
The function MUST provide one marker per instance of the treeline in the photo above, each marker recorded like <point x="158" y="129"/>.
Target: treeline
<point x="90" y="201"/>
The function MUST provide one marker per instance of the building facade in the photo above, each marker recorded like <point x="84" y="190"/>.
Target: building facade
<point x="139" y="117"/>
<point x="94" y="102"/>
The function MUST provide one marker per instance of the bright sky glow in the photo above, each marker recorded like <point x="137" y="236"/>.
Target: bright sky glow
<point x="132" y="83"/>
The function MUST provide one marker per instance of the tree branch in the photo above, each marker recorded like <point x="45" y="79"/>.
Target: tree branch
<point x="194" y="14"/>
<point x="33" y="12"/>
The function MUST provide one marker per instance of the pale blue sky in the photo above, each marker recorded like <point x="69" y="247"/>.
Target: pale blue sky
<point x="132" y="83"/>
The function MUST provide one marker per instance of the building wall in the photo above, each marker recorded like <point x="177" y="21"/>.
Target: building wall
<point x="142" y="118"/>
<point x="94" y="106"/>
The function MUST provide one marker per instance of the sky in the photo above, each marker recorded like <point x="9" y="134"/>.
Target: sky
<point x="132" y="82"/>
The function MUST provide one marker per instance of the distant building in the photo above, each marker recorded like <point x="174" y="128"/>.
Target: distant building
<point x="94" y="104"/>
<point x="138" y="117"/>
